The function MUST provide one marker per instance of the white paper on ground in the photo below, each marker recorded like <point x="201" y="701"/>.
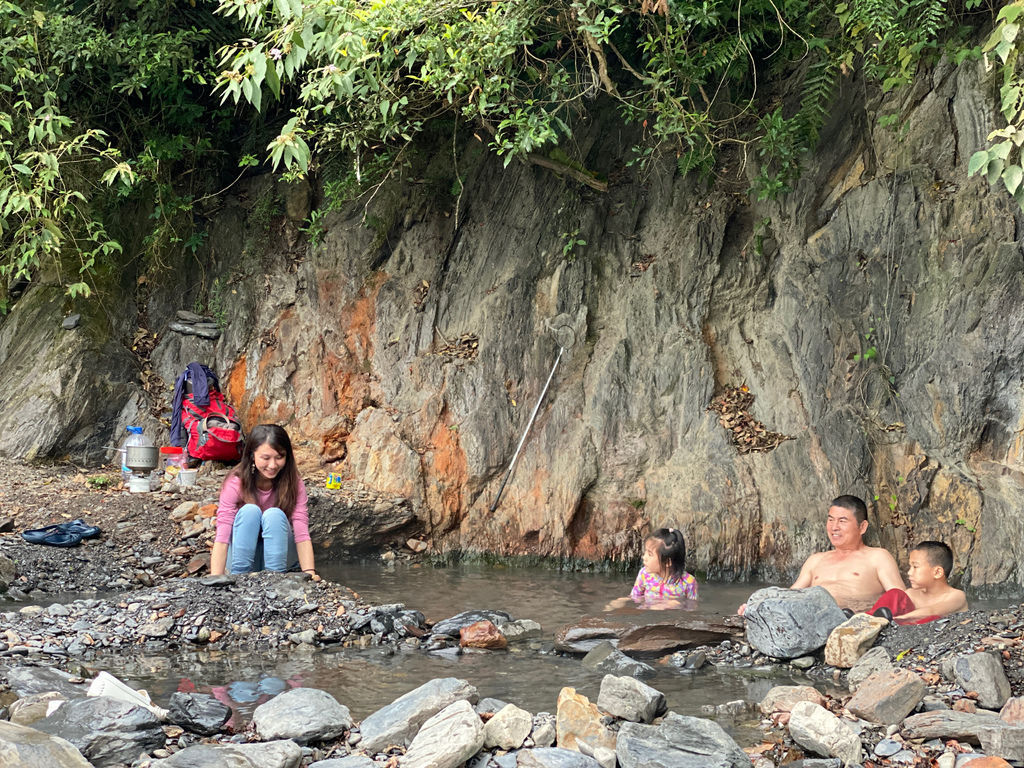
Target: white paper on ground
<point x="106" y="684"/>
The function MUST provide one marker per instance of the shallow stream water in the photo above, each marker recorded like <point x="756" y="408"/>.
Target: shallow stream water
<point x="530" y="676"/>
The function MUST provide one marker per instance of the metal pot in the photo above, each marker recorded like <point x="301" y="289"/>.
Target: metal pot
<point x="141" y="458"/>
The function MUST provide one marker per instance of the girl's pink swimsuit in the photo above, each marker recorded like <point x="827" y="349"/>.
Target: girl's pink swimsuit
<point x="648" y="586"/>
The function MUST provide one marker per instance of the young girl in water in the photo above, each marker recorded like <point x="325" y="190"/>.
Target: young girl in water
<point x="662" y="581"/>
<point x="262" y="523"/>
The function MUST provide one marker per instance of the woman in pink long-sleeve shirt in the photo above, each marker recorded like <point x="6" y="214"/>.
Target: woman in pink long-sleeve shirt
<point x="262" y="510"/>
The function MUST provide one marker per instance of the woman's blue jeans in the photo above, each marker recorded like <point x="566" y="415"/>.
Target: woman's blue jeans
<point x="261" y="540"/>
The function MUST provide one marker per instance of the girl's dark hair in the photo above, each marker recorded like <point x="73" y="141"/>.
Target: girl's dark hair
<point x="286" y="484"/>
<point x="671" y="551"/>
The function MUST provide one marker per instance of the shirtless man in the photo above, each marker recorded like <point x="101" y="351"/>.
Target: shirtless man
<point x="852" y="572"/>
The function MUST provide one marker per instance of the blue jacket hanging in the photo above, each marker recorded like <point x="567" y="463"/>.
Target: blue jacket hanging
<point x="199" y="375"/>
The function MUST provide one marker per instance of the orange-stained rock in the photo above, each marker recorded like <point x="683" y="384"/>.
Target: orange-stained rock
<point x="577" y="719"/>
<point x="235" y="385"/>
<point x="482" y="634"/>
<point x="208" y="510"/>
<point x="888" y="696"/>
<point x="445" y="474"/>
<point x="990" y="762"/>
<point x="965" y="705"/>
<point x="380" y="459"/>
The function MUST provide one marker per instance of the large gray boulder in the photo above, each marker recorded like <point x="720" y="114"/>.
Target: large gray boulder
<point x="521" y="630"/>
<point x="981" y="672"/>
<point x="629" y="699"/>
<point x="198" y="712"/>
<point x="106" y="731"/>
<point x="303" y="715"/>
<point x="24" y="746"/>
<point x="448" y="739"/>
<point x="269" y="754"/>
<point x="399" y="721"/>
<point x="786" y="623"/>
<point x="678" y="742"/>
<point x="61" y="391"/>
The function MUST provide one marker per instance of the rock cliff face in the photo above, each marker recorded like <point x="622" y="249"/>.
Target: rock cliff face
<point x="875" y="314"/>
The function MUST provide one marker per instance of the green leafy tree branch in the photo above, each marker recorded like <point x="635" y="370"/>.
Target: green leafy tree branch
<point x="98" y="103"/>
<point x="1001" y="162"/>
<point x="360" y="75"/>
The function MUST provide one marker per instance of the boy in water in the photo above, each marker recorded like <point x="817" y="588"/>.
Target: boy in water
<point x="930" y="596"/>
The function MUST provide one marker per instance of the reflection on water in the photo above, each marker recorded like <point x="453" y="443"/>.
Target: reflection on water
<point x="530" y="676"/>
<point x="367" y="680"/>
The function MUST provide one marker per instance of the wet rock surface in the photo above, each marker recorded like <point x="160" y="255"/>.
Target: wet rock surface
<point x="655" y="639"/>
<point x="448" y="739"/>
<point x="787" y="623"/>
<point x="678" y="741"/>
<point x="107" y="732"/>
<point x="399" y="722"/>
<point x="198" y="712"/>
<point x="607" y="658"/>
<point x="302" y="715"/>
<point x="436" y="724"/>
<point x="628" y="699"/>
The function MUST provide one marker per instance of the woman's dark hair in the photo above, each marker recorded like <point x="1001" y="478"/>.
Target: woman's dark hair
<point x="671" y="551"/>
<point x="286" y="484"/>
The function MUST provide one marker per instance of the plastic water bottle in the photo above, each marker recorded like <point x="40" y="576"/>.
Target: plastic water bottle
<point x="135" y="437"/>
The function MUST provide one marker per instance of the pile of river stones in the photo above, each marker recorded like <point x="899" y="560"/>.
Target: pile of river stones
<point x="938" y="696"/>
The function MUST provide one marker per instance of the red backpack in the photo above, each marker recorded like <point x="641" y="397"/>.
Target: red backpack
<point x="214" y="431"/>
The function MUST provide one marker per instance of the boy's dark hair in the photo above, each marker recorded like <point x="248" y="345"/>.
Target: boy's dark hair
<point x="671" y="550"/>
<point x="938" y="554"/>
<point x="853" y="503"/>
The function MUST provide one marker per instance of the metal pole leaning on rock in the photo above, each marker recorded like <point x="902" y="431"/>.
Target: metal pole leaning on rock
<point x="565" y="337"/>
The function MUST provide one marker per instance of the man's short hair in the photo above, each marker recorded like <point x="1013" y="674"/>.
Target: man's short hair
<point x="937" y="554"/>
<point x="853" y="503"/>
